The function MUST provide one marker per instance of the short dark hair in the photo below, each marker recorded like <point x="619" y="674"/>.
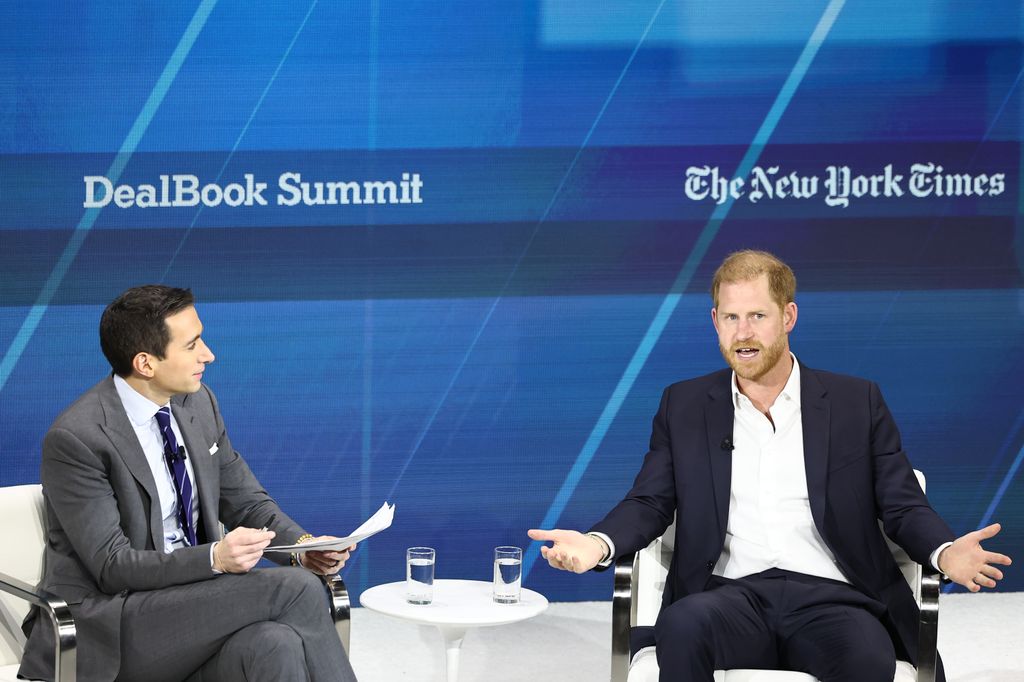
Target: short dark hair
<point x="134" y="323"/>
<point x="743" y="266"/>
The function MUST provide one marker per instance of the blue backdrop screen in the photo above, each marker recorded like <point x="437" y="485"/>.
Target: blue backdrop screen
<point x="449" y="254"/>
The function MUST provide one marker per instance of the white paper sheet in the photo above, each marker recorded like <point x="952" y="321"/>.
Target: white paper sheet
<point x="381" y="520"/>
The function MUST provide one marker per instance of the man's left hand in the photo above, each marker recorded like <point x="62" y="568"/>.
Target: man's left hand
<point x="324" y="563"/>
<point x="966" y="562"/>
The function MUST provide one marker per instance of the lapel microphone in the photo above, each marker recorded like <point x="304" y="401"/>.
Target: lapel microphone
<point x="727" y="445"/>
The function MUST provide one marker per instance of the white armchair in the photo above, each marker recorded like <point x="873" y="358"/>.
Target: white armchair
<point x="23" y="537"/>
<point x="636" y="602"/>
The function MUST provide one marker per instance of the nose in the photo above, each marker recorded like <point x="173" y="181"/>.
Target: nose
<point x="207" y="356"/>
<point x="744" y="330"/>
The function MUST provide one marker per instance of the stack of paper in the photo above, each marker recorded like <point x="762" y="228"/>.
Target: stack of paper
<point x="379" y="521"/>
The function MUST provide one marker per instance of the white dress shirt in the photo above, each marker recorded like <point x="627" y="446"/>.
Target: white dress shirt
<point x="142" y="414"/>
<point x="770" y="523"/>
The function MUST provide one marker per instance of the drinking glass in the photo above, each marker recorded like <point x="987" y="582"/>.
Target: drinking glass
<point x="419" y="575"/>
<point x="508" y="574"/>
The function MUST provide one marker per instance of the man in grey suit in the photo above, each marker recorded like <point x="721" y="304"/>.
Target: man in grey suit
<point x="138" y="474"/>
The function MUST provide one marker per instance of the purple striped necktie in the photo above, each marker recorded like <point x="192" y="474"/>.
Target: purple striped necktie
<point x="182" y="483"/>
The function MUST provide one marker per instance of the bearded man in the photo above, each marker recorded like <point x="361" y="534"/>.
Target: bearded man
<point x="777" y="476"/>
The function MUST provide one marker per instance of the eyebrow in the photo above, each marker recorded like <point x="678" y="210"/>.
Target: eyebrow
<point x="192" y="340"/>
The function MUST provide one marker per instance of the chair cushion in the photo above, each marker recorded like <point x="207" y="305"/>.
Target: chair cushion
<point x="643" y="667"/>
<point x="22" y="525"/>
<point x="765" y="676"/>
<point x="9" y="673"/>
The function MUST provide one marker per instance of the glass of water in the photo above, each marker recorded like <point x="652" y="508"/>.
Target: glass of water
<point x="419" y="575"/>
<point x="508" y="574"/>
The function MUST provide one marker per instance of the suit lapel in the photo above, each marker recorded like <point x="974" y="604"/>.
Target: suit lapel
<point x="815" y="413"/>
<point x="718" y="419"/>
<point x="206" y="475"/>
<point x="126" y="444"/>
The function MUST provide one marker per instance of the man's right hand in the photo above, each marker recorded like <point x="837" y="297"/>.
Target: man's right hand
<point x="241" y="549"/>
<point x="571" y="551"/>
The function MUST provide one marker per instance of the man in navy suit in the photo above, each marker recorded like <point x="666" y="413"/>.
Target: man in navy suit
<point x="777" y="475"/>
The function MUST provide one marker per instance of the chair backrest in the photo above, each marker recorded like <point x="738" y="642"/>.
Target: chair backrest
<point x="653" y="563"/>
<point x="911" y="569"/>
<point x="22" y="539"/>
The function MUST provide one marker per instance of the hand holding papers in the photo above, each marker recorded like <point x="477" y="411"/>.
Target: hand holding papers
<point x="379" y="521"/>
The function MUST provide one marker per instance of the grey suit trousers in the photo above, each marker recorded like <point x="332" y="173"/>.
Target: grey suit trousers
<point x="268" y="624"/>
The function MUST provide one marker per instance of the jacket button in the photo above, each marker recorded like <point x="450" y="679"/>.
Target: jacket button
<point x="710" y="565"/>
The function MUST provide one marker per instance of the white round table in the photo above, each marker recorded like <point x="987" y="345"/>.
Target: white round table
<point x="458" y="606"/>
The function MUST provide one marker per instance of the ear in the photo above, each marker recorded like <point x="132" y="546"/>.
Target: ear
<point x="714" y="318"/>
<point x="789" y="314"/>
<point x="142" y="364"/>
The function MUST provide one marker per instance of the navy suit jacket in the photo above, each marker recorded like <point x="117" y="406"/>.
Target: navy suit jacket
<point x="857" y="474"/>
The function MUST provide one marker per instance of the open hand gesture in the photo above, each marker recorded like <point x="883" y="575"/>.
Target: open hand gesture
<point x="572" y="550"/>
<point x="967" y="563"/>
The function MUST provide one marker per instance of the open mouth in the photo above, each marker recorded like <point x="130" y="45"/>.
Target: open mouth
<point x="747" y="352"/>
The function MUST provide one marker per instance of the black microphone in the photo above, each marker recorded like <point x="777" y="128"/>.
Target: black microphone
<point x="727" y="445"/>
<point x="181" y="454"/>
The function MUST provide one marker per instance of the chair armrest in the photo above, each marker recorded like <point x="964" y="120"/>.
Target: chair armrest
<point x="341" y="608"/>
<point x="65" y="655"/>
<point x="928" y="628"/>
<point x="623" y="615"/>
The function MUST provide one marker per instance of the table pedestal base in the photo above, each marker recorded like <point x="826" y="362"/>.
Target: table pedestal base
<point x="452" y="636"/>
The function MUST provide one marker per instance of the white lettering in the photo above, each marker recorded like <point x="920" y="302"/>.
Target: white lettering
<point x="146" y="197"/>
<point x="90" y="191"/>
<point x="185" y="185"/>
<point x="702" y="181"/>
<point x="370" y="185"/>
<point x="284" y="183"/>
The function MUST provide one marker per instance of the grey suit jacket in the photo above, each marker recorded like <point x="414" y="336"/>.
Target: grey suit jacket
<point x="105" y="534"/>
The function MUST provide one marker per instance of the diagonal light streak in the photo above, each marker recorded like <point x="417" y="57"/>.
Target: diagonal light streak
<point x="986" y="518"/>
<point x="883" y="319"/>
<point x="671" y="300"/>
<point x="1002" y="106"/>
<point x="241" y="134"/>
<point x="526" y="248"/>
<point x="124" y="155"/>
<point x="998" y="497"/>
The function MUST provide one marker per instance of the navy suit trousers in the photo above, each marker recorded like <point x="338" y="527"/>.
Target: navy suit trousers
<point x="775" y="620"/>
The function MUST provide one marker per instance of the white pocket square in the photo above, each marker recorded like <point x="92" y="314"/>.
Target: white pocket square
<point x="213" y="449"/>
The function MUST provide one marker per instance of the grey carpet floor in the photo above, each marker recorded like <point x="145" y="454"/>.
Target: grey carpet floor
<point x="981" y="638"/>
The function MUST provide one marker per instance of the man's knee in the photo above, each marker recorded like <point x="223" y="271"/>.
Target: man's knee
<point x="261" y="651"/>
<point x="688" y="620"/>
<point x="294" y="588"/>
<point x="875" y="664"/>
<point x="871" y="658"/>
<point x="859" y="652"/>
<point x="269" y="639"/>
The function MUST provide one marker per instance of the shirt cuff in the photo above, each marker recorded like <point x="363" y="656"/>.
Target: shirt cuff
<point x="934" y="558"/>
<point x="212" y="567"/>
<point x="606" y="560"/>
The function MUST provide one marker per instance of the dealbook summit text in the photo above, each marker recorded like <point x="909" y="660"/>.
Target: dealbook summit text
<point x="184" y="189"/>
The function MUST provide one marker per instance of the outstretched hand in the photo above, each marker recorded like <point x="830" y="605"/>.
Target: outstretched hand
<point x="571" y="551"/>
<point x="967" y="563"/>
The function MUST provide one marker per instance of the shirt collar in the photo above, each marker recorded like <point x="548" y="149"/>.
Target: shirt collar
<point x="791" y="390"/>
<point x="140" y="409"/>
